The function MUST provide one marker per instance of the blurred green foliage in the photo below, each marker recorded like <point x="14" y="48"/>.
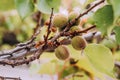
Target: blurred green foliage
<point x="6" y="5"/>
<point x="10" y="22"/>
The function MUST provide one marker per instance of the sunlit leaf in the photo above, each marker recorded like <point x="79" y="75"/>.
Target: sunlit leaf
<point x="110" y="43"/>
<point x="117" y="34"/>
<point x="104" y="18"/>
<point x="100" y="57"/>
<point x="116" y="6"/>
<point x="24" y="7"/>
<point x="86" y="65"/>
<point x="45" y="6"/>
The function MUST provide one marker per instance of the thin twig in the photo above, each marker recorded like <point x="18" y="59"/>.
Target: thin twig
<point x="36" y="29"/>
<point x="77" y="32"/>
<point x="10" y="78"/>
<point x="48" y="29"/>
<point x="89" y="9"/>
<point x="28" y="42"/>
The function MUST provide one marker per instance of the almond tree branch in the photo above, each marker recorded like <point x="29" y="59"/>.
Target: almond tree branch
<point x="10" y="78"/>
<point x="36" y="54"/>
<point x="89" y="9"/>
<point x="18" y="55"/>
<point x="37" y="28"/>
<point x="48" y="30"/>
<point x="77" y="32"/>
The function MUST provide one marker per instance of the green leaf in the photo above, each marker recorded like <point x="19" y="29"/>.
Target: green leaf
<point x="45" y="5"/>
<point x="68" y="71"/>
<point x="24" y="7"/>
<point x="86" y="65"/>
<point x="104" y="18"/>
<point x="6" y="5"/>
<point x="117" y="34"/>
<point x="101" y="58"/>
<point x="110" y="43"/>
<point x="116" y="6"/>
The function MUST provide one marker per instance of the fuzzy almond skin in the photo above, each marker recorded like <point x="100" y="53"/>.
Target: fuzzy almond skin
<point x="73" y="15"/>
<point x="60" y="20"/>
<point x="78" y="43"/>
<point x="62" y="52"/>
<point x="75" y="28"/>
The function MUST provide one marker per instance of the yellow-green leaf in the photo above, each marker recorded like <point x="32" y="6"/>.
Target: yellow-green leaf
<point x="116" y="6"/>
<point x="100" y="57"/>
<point x="86" y="65"/>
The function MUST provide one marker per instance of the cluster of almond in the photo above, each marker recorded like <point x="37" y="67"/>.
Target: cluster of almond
<point x="60" y="20"/>
<point x="62" y="51"/>
<point x="78" y="42"/>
